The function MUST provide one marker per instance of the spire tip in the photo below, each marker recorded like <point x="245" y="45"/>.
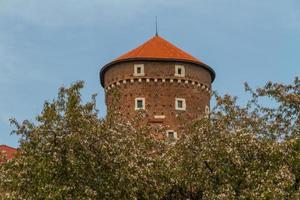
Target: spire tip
<point x="156" y="30"/>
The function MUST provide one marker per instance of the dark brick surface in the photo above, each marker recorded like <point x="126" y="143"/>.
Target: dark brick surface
<point x="159" y="96"/>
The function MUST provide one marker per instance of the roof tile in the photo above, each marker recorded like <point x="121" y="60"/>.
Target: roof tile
<point x="158" y="48"/>
<point x="9" y="152"/>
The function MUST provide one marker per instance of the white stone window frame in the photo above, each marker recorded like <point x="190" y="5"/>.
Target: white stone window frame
<point x="174" y="134"/>
<point x="135" y="70"/>
<point x="182" y="68"/>
<point x="207" y="111"/>
<point x="159" y="116"/>
<point x="183" y="104"/>
<point x="136" y="103"/>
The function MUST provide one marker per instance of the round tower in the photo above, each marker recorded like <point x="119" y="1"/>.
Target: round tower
<point x="168" y="84"/>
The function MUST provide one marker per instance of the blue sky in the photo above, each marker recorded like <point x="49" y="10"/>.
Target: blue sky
<point x="52" y="43"/>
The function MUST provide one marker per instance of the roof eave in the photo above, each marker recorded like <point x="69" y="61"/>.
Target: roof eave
<point x="105" y="67"/>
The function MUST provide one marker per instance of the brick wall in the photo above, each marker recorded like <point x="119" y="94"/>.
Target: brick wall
<point x="159" y="86"/>
<point x="160" y="69"/>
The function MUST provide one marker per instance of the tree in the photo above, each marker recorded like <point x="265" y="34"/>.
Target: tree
<point x="249" y="152"/>
<point x="71" y="154"/>
<point x="237" y="152"/>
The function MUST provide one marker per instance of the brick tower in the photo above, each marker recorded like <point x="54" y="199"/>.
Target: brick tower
<point x="165" y="82"/>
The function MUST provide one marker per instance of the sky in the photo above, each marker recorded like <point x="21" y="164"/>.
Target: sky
<point x="52" y="43"/>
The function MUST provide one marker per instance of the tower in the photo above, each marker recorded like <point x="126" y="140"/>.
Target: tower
<point x="165" y="82"/>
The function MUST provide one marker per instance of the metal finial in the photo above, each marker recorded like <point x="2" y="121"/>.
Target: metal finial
<point x="156" y="29"/>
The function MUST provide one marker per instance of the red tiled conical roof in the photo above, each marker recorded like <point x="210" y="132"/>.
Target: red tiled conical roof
<point x="156" y="49"/>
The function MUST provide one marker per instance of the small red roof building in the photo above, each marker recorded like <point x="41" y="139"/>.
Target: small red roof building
<point x="8" y="152"/>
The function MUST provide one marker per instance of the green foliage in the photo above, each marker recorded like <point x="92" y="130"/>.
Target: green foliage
<point x="238" y="152"/>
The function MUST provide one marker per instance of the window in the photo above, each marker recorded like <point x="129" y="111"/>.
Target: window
<point x="180" y="104"/>
<point x="179" y="70"/>
<point x="138" y="70"/>
<point x="206" y="111"/>
<point x="140" y="104"/>
<point x="171" y="134"/>
<point x="159" y="116"/>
